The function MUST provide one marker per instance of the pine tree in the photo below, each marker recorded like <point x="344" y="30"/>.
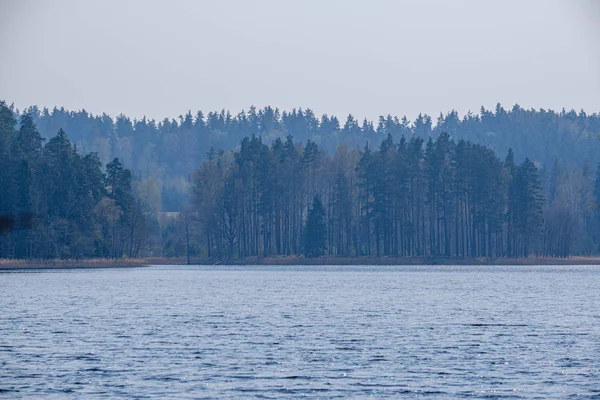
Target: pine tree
<point x="341" y="221"/>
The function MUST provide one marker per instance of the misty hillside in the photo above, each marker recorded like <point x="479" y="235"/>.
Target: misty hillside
<point x="169" y="150"/>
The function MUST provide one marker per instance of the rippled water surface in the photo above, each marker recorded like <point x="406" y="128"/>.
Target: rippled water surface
<point x="288" y="332"/>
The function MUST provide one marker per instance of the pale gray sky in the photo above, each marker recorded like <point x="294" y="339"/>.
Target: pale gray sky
<point x="162" y="58"/>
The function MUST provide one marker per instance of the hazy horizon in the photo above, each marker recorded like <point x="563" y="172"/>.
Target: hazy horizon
<point x="160" y="60"/>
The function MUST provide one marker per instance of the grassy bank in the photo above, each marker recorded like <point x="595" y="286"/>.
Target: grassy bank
<point x="83" y="263"/>
<point x="292" y="260"/>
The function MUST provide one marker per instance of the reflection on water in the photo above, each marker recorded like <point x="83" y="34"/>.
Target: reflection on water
<point x="286" y="332"/>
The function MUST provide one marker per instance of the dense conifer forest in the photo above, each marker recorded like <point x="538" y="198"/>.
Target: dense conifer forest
<point x="62" y="204"/>
<point x="263" y="183"/>
<point x="408" y="198"/>
<point x="169" y="150"/>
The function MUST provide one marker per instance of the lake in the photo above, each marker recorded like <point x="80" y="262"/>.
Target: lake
<point x="288" y="332"/>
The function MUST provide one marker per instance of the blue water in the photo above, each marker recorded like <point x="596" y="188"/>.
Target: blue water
<point x="289" y="332"/>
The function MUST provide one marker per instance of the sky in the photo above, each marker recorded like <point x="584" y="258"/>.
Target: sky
<point x="369" y="58"/>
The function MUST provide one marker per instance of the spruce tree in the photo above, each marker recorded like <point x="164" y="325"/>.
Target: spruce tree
<point x="315" y="231"/>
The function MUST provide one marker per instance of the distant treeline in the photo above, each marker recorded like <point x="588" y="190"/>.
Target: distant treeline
<point x="169" y="150"/>
<point x="407" y="198"/>
<point x="76" y="185"/>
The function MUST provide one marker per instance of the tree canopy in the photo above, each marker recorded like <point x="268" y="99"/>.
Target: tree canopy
<point x="170" y="149"/>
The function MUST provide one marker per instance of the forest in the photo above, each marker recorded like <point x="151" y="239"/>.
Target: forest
<point x="411" y="198"/>
<point x="64" y="204"/>
<point x="170" y="149"/>
<point x="518" y="183"/>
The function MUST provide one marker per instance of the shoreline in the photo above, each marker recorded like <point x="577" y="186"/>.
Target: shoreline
<point x="16" y="264"/>
<point x="9" y="264"/>
<point x="401" y="261"/>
